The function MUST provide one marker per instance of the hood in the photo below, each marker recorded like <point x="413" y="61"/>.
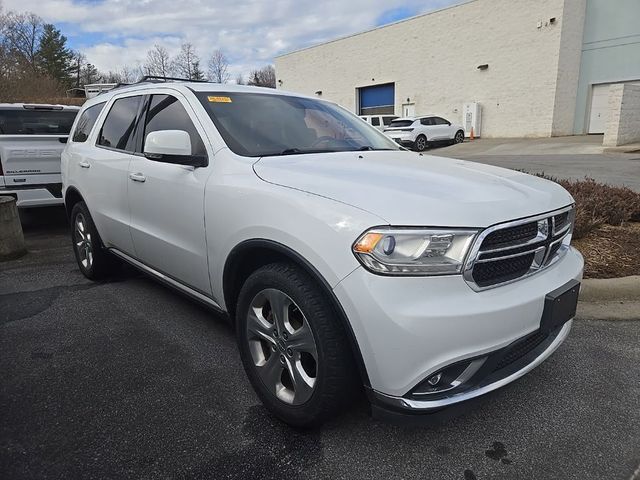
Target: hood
<point x="408" y="189"/>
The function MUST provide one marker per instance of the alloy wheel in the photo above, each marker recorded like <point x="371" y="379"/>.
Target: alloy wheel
<point x="421" y="144"/>
<point x="282" y="345"/>
<point x="82" y="241"/>
<point x="459" y="137"/>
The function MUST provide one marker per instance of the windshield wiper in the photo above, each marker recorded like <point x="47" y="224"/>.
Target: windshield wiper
<point x="294" y="151"/>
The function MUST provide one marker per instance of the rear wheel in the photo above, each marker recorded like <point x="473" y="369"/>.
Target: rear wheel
<point x="293" y="349"/>
<point x="93" y="260"/>
<point x="421" y="143"/>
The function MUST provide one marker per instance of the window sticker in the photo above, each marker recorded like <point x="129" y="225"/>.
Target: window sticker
<point x="219" y="99"/>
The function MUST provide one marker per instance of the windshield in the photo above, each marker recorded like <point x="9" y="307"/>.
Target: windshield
<point x="257" y="124"/>
<point x="401" y="123"/>
<point x="36" y="122"/>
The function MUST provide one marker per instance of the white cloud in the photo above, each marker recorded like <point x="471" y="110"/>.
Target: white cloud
<point x="250" y="32"/>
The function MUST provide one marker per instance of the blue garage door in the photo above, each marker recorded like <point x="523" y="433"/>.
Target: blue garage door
<point x="377" y="99"/>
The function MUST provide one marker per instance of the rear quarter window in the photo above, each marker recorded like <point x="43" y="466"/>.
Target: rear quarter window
<point x="401" y="123"/>
<point x="86" y="122"/>
<point x="36" y="122"/>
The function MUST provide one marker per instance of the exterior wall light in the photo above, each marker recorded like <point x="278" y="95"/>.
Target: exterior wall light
<point x="484" y="66"/>
<point x="319" y="93"/>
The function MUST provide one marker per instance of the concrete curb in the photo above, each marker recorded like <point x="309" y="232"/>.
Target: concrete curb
<point x="610" y="299"/>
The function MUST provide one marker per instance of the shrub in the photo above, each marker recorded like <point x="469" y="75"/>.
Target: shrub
<point x="599" y="204"/>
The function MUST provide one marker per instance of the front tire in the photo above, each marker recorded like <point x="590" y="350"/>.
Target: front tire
<point x="293" y="348"/>
<point x="421" y="143"/>
<point x="459" y="137"/>
<point x="94" y="261"/>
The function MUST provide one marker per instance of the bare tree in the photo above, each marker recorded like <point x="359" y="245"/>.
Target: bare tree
<point x="240" y="79"/>
<point x="20" y="36"/>
<point x="264" y="77"/>
<point x="183" y="63"/>
<point x="218" y="67"/>
<point x="158" y="62"/>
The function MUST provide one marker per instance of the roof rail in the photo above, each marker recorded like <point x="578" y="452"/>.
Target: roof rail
<point x="154" y="79"/>
<point x="159" y="78"/>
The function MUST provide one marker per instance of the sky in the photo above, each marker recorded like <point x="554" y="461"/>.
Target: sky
<point x="114" y="33"/>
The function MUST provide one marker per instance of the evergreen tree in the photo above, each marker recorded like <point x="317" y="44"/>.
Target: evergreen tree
<point x="196" y="71"/>
<point x="53" y="56"/>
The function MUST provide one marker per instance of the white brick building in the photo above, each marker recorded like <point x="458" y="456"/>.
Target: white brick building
<point x="532" y="65"/>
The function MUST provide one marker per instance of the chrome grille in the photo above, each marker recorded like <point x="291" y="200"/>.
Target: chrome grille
<point x="510" y="251"/>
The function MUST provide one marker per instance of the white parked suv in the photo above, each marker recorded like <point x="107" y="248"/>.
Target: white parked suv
<point x="32" y="137"/>
<point x="342" y="260"/>
<point x="379" y="121"/>
<point x="418" y="133"/>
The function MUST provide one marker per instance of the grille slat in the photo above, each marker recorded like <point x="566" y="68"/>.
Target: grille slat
<point x="519" y="350"/>
<point x="517" y="249"/>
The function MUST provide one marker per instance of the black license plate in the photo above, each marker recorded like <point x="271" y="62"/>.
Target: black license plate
<point x="560" y="306"/>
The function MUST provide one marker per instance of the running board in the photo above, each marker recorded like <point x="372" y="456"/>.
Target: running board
<point x="167" y="280"/>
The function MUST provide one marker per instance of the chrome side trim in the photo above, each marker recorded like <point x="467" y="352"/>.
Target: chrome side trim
<point x="417" y="406"/>
<point x="166" y="279"/>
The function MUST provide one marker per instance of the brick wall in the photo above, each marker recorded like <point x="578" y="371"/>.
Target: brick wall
<point x="433" y="61"/>
<point x="623" y="121"/>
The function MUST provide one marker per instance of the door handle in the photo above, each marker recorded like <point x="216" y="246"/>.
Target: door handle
<point x="137" y="177"/>
<point x="84" y="164"/>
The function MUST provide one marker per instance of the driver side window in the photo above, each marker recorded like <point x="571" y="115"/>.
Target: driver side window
<point x="167" y="113"/>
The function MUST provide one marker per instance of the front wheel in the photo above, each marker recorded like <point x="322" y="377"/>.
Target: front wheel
<point x="421" y="143"/>
<point x="293" y="349"/>
<point x="459" y="137"/>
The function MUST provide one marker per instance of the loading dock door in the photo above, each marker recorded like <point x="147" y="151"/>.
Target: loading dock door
<point x="377" y="99"/>
<point x="599" y="108"/>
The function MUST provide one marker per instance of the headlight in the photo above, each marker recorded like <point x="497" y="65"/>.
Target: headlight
<point x="416" y="251"/>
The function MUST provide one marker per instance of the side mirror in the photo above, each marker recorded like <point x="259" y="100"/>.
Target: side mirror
<point x="172" y="146"/>
<point x="449" y="123"/>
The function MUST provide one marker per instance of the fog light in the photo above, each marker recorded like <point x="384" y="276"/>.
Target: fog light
<point x="433" y="381"/>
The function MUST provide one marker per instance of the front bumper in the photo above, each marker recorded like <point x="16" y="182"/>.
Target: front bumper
<point x="408" y="328"/>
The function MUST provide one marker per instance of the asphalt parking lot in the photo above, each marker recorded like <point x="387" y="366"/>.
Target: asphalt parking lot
<point x="127" y="379"/>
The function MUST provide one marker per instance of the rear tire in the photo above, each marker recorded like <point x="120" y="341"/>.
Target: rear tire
<point x="293" y="348"/>
<point x="94" y="261"/>
<point x="421" y="144"/>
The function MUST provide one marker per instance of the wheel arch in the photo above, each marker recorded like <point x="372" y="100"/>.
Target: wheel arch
<point x="250" y="255"/>
<point x="71" y="197"/>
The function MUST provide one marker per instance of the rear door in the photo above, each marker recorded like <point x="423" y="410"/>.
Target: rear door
<point x="166" y="200"/>
<point x="31" y="141"/>
<point x="102" y="166"/>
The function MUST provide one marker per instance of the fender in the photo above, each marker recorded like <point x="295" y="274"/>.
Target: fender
<point x="298" y="259"/>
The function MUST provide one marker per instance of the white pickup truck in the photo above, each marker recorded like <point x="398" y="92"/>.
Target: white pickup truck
<point x="32" y="138"/>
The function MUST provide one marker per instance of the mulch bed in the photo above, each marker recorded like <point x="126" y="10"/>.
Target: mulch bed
<point x="611" y="252"/>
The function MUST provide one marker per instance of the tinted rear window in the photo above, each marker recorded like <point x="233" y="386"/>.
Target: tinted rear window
<point x="401" y="123"/>
<point x="120" y="123"/>
<point x="36" y="122"/>
<point x="86" y="122"/>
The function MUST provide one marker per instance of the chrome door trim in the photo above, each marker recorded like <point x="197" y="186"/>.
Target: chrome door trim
<point x="167" y="279"/>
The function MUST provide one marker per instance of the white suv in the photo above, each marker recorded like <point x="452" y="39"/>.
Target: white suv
<point x="379" y="121"/>
<point x="343" y="260"/>
<point x="418" y="133"/>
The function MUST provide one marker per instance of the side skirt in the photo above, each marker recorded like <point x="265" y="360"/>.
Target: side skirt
<point x="167" y="280"/>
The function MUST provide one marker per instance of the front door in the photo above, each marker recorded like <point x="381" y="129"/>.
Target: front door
<point x="166" y="201"/>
